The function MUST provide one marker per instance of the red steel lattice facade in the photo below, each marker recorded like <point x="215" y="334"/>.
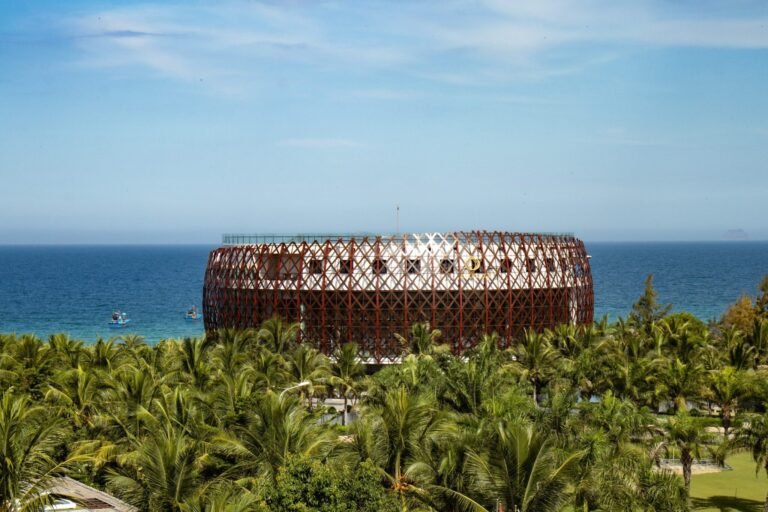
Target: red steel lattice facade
<point x="366" y="288"/>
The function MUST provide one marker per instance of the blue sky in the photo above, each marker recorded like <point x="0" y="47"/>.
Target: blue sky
<point x="142" y="122"/>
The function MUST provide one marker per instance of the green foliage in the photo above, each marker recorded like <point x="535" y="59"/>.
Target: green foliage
<point x="28" y="437"/>
<point x="740" y="314"/>
<point x="562" y="419"/>
<point x="423" y="341"/>
<point x="647" y="310"/>
<point x="761" y="303"/>
<point x="305" y="485"/>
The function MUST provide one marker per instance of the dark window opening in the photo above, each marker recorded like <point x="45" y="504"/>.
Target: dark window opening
<point x="315" y="266"/>
<point x="530" y="265"/>
<point x="550" y="264"/>
<point x="506" y="265"/>
<point x="379" y="266"/>
<point x="346" y="267"/>
<point x="414" y="266"/>
<point x="446" y="266"/>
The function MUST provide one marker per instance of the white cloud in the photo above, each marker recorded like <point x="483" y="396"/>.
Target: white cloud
<point x="225" y="47"/>
<point x="515" y="29"/>
<point x="229" y="46"/>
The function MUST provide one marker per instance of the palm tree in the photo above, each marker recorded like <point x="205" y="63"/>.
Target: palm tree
<point x="681" y="382"/>
<point x="277" y="335"/>
<point x="484" y="376"/>
<point x="271" y="370"/>
<point x="67" y="350"/>
<point x="523" y="468"/>
<point x="346" y="372"/>
<point x="194" y="363"/>
<point x="565" y="339"/>
<point x="759" y="338"/>
<point x="230" y="398"/>
<point x="725" y="388"/>
<point x="753" y="435"/>
<point x="232" y="350"/>
<point x="537" y="358"/>
<point x="307" y="364"/>
<point x="587" y="372"/>
<point x="77" y="392"/>
<point x="135" y="347"/>
<point x="688" y="437"/>
<point x="685" y="335"/>
<point x="633" y="378"/>
<point x="105" y="355"/>
<point x="225" y="497"/>
<point x="625" y="481"/>
<point x="469" y="385"/>
<point x="129" y="393"/>
<point x="163" y="474"/>
<point x="423" y="340"/>
<point x="741" y="353"/>
<point x="179" y="410"/>
<point x="280" y="426"/>
<point x="28" y="437"/>
<point x="439" y="475"/>
<point x="619" y="420"/>
<point x="27" y="364"/>
<point x="660" y="490"/>
<point x="393" y="435"/>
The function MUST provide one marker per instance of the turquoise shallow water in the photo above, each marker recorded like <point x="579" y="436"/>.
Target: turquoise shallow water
<point x="73" y="289"/>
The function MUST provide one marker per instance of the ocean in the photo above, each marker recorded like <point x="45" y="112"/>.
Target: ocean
<point x="74" y="289"/>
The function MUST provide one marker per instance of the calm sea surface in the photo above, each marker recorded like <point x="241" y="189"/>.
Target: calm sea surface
<point x="74" y="289"/>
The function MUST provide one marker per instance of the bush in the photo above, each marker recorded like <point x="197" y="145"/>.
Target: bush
<point x="305" y="485"/>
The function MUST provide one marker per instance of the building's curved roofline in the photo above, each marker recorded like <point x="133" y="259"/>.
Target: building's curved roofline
<point x="281" y="238"/>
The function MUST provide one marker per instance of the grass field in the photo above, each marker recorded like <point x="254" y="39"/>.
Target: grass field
<point x="738" y="490"/>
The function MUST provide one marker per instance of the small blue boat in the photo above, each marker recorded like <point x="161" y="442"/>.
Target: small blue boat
<point x="119" y="320"/>
<point x="192" y="315"/>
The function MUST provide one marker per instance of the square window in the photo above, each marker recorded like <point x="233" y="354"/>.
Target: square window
<point x="446" y="266"/>
<point x="315" y="266"/>
<point x="345" y="267"/>
<point x="550" y="264"/>
<point x="414" y="266"/>
<point x="506" y="265"/>
<point x="379" y="266"/>
<point x="530" y="265"/>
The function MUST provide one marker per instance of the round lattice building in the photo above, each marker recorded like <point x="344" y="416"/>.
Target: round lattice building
<point x="365" y="288"/>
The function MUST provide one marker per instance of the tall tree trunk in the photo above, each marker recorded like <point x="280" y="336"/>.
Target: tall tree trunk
<point x="725" y="411"/>
<point x="686" y="460"/>
<point x="344" y="415"/>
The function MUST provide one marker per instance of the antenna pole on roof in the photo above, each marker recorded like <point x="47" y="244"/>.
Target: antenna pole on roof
<point x="397" y="220"/>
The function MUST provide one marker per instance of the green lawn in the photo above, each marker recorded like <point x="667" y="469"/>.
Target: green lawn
<point x="738" y="490"/>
